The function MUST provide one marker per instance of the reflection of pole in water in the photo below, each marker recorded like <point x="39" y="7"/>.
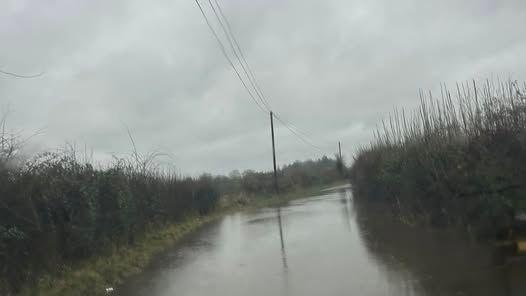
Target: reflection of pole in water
<point x="283" y="253"/>
<point x="346" y="200"/>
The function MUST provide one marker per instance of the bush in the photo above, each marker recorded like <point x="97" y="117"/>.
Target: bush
<point x="56" y="210"/>
<point x="452" y="163"/>
<point x="206" y="195"/>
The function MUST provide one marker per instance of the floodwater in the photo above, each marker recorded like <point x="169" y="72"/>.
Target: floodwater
<point x="327" y="245"/>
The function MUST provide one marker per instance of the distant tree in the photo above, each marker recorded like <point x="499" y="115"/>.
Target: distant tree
<point x="235" y="174"/>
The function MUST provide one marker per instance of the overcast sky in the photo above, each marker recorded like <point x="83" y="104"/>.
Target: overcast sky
<point x="332" y="67"/>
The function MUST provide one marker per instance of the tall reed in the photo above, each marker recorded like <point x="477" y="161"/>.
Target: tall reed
<point x="457" y="159"/>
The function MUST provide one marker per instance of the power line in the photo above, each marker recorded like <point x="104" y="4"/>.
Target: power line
<point x="223" y="50"/>
<point x="305" y="137"/>
<point x="231" y="40"/>
<point x="302" y="138"/>
<point x="230" y="34"/>
<point x="227" y="29"/>
<point x="240" y="57"/>
<point x="20" y="76"/>
<point x="292" y="126"/>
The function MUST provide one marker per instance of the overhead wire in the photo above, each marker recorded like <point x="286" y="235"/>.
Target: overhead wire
<point x="223" y="50"/>
<point x="19" y="75"/>
<point x="298" y="135"/>
<point x="232" y="38"/>
<point x="285" y="122"/>
<point x="263" y="103"/>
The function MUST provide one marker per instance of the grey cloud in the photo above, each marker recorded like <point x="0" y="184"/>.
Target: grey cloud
<point x="334" y="68"/>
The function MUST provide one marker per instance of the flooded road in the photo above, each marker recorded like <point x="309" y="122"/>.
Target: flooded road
<point x="326" y="245"/>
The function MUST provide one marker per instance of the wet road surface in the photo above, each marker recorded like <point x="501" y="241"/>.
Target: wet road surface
<point x="326" y="245"/>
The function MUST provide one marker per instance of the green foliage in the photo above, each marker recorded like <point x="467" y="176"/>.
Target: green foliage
<point x="452" y="163"/>
<point x="56" y="211"/>
<point x="205" y="195"/>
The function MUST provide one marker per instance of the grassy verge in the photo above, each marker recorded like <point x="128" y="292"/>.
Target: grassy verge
<point x="93" y="276"/>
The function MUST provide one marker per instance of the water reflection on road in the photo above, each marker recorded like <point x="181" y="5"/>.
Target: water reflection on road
<point x="326" y="245"/>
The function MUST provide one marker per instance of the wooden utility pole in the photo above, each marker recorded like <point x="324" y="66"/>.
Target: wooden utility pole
<point x="274" y="153"/>
<point x="340" y="149"/>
